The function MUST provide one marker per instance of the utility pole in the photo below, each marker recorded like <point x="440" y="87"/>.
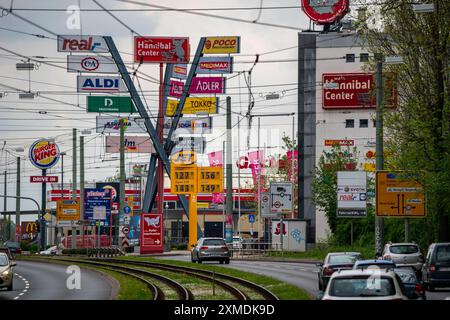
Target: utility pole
<point x="229" y="171"/>
<point x="379" y="148"/>
<point x="122" y="181"/>
<point x="5" y="209"/>
<point x="60" y="229"/>
<point x="82" y="187"/>
<point x="17" y="236"/>
<point x="74" y="182"/>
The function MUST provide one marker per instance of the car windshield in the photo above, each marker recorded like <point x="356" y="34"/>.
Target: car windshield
<point x="407" y="276"/>
<point x="213" y="242"/>
<point x="342" y="259"/>
<point x="361" y="287"/>
<point x="3" y="261"/>
<point x="404" y="249"/>
<point x="443" y="254"/>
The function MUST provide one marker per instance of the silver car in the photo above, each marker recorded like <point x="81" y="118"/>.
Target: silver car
<point x="403" y="255"/>
<point x="210" y="249"/>
<point x="6" y="272"/>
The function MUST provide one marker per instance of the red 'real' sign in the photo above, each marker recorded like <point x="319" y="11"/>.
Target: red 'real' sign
<point x="161" y="49"/>
<point x="151" y="233"/>
<point x="325" y="11"/>
<point x="348" y="91"/>
<point x="43" y="179"/>
<point x="199" y="85"/>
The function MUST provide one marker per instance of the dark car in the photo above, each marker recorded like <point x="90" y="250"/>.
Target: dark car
<point x="413" y="288"/>
<point x="14" y="247"/>
<point x="335" y="261"/>
<point x="436" y="269"/>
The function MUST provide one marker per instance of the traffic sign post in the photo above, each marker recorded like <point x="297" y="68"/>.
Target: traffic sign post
<point x="281" y="201"/>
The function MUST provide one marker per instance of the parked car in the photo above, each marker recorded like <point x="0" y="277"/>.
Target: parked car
<point x="6" y="272"/>
<point x="413" y="288"/>
<point x="14" y="247"/>
<point x="237" y="242"/>
<point x="210" y="249"/>
<point x="361" y="285"/>
<point x="382" y="264"/>
<point x="334" y="261"/>
<point x="7" y="251"/>
<point x="436" y="269"/>
<point x="404" y="255"/>
<point x="50" y="251"/>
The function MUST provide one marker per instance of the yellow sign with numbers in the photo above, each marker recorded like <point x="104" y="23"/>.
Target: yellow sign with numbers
<point x="210" y="179"/>
<point x="183" y="179"/>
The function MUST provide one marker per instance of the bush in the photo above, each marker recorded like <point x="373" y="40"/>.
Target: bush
<point x="28" y="246"/>
<point x="128" y="249"/>
<point x="75" y="251"/>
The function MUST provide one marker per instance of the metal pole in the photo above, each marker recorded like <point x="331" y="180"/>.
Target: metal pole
<point x="44" y="208"/>
<point x="59" y="234"/>
<point x="351" y="233"/>
<point x="223" y="204"/>
<point x="82" y="188"/>
<point x="122" y="182"/>
<point x="292" y="160"/>
<point x="259" y="169"/>
<point x="160" y="130"/>
<point x="17" y="235"/>
<point x="74" y="182"/>
<point x="5" y="209"/>
<point x="239" y="178"/>
<point x="406" y="229"/>
<point x="229" y="171"/>
<point x="379" y="149"/>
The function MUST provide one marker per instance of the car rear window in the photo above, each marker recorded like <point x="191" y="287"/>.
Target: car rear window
<point x="214" y="242"/>
<point x="406" y="276"/>
<point x="342" y="259"/>
<point x="362" y="287"/>
<point x="404" y="249"/>
<point x="443" y="254"/>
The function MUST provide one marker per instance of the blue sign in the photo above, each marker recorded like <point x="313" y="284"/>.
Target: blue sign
<point x="251" y="218"/>
<point x="126" y="209"/>
<point x="98" y="201"/>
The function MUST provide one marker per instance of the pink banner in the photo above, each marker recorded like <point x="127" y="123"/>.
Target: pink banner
<point x="218" y="198"/>
<point x="207" y="85"/>
<point x="176" y="89"/>
<point x="215" y="158"/>
<point x="292" y="156"/>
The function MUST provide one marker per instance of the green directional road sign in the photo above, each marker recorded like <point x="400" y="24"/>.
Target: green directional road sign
<point x="110" y="104"/>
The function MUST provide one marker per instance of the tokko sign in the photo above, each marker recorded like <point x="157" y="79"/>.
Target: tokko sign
<point x="77" y="43"/>
<point x="194" y="105"/>
<point x="200" y="85"/>
<point x="97" y="64"/>
<point x="348" y="91"/>
<point x="325" y="11"/>
<point x="102" y="84"/>
<point x="161" y="49"/>
<point x="44" y="154"/>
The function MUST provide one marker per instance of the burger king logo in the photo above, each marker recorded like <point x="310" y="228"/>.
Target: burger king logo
<point x="44" y="154"/>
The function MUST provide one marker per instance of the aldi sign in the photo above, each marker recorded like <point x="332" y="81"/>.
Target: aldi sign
<point x="161" y="50"/>
<point x="106" y="124"/>
<point x="103" y="84"/>
<point x="77" y="43"/>
<point x="348" y="91"/>
<point x="97" y="64"/>
<point x="110" y="104"/>
<point x="215" y="65"/>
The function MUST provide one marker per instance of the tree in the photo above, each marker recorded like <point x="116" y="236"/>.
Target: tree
<point x="417" y="133"/>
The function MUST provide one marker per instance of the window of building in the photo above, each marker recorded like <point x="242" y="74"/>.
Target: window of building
<point x="374" y="123"/>
<point x="170" y="205"/>
<point x="349" y="123"/>
<point x="363" y="123"/>
<point x="364" y="57"/>
<point x="350" y="57"/>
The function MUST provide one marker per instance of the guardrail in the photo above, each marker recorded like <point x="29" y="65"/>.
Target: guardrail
<point x="253" y="249"/>
<point x="105" y="252"/>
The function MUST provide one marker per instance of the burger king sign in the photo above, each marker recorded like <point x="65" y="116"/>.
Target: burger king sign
<point x="44" y="154"/>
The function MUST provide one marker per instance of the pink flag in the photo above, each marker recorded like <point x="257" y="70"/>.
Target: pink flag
<point x="292" y="156"/>
<point x="215" y="158"/>
<point x="218" y="198"/>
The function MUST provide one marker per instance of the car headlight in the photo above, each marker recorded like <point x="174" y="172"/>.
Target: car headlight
<point x="5" y="273"/>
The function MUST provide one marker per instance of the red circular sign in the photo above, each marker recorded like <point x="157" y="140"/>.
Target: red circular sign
<point x="325" y="11"/>
<point x="277" y="204"/>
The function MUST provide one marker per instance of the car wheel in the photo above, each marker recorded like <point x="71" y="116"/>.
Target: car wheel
<point x="227" y="261"/>
<point x="320" y="286"/>
<point x="221" y="261"/>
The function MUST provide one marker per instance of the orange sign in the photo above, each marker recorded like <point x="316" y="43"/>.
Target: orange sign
<point x="400" y="194"/>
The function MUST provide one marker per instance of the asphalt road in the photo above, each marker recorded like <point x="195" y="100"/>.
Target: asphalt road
<point x="302" y="275"/>
<point x="44" y="281"/>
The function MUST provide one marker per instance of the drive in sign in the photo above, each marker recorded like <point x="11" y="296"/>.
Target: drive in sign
<point x="100" y="84"/>
<point x="200" y="85"/>
<point x="161" y="49"/>
<point x="77" y="43"/>
<point x="43" y="179"/>
<point x="97" y="64"/>
<point x="215" y="65"/>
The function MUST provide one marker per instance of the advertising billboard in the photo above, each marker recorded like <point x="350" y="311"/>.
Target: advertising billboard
<point x="108" y="124"/>
<point x="199" y="85"/>
<point x="132" y="144"/>
<point x="28" y="231"/>
<point x="325" y="12"/>
<point x="180" y="71"/>
<point x="342" y="142"/>
<point x="110" y="104"/>
<point x="90" y="63"/>
<point x="215" y="65"/>
<point x="161" y="49"/>
<point x="351" y="193"/>
<point x="97" y="204"/>
<point x="81" y="43"/>
<point x="190" y="125"/>
<point x="151" y="233"/>
<point x="44" y="154"/>
<point x="194" y="105"/>
<point x="230" y="44"/>
<point x="196" y="144"/>
<point x="103" y="84"/>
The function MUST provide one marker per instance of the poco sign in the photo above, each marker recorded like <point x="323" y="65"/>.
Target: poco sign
<point x="100" y="84"/>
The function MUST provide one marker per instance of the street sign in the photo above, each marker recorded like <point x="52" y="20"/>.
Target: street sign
<point x="43" y="179"/>
<point x="196" y="144"/>
<point x="400" y="194"/>
<point x="44" y="154"/>
<point x="281" y="197"/>
<point x="251" y="218"/>
<point x="97" y="204"/>
<point x="68" y="210"/>
<point x="194" y="105"/>
<point x="104" y="84"/>
<point x="325" y="12"/>
<point x="109" y="124"/>
<point x="81" y="43"/>
<point x="126" y="230"/>
<point x="183" y="179"/>
<point x="210" y="180"/>
<point x="151" y="234"/>
<point x="222" y="45"/>
<point x="110" y="104"/>
<point x="127" y="209"/>
<point x="161" y="49"/>
<point x="184" y="158"/>
<point x="132" y="144"/>
<point x="265" y="206"/>
<point x="215" y="65"/>
<point x="90" y="63"/>
<point x="351" y="193"/>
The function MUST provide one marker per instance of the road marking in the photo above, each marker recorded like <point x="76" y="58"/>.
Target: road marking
<point x="27" y="285"/>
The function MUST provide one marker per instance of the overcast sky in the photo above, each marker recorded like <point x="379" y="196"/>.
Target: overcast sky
<point x="21" y="123"/>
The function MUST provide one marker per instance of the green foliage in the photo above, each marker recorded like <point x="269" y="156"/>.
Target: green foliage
<point x="28" y="246"/>
<point x="80" y="251"/>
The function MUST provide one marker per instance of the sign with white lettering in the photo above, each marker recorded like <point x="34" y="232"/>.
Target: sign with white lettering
<point x="77" y="43"/>
<point x="190" y="125"/>
<point x="107" y="124"/>
<point x="215" y="65"/>
<point x="199" y="85"/>
<point x="103" y="84"/>
<point x="132" y="144"/>
<point x="161" y="49"/>
<point x="351" y="193"/>
<point x="196" y="144"/>
<point x="92" y="63"/>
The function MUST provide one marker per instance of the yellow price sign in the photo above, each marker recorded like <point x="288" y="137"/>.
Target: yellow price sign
<point x="183" y="179"/>
<point x="193" y="105"/>
<point x="210" y="179"/>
